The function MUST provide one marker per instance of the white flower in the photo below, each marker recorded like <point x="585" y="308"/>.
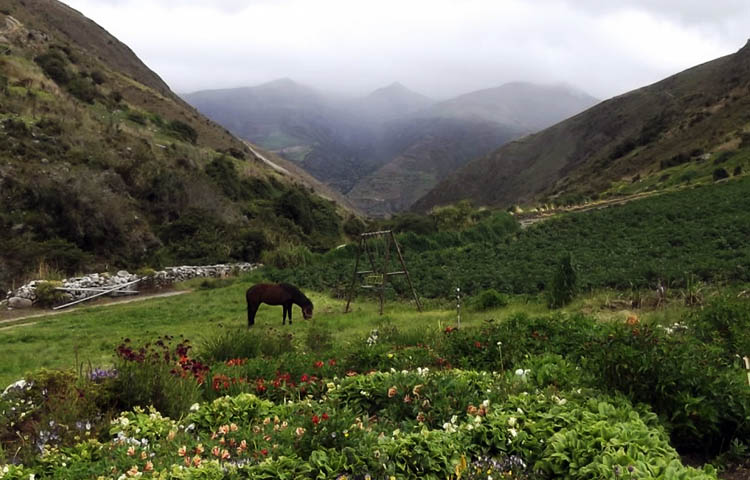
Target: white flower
<point x="486" y="403"/>
<point x="513" y="432"/>
<point x="454" y="419"/>
<point x="195" y="407"/>
<point x="512" y="421"/>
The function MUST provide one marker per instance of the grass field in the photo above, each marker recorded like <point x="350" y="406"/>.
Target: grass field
<point x="89" y="336"/>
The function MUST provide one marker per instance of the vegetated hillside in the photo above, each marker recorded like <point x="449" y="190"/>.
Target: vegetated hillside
<point x="106" y="168"/>
<point x="696" y="234"/>
<point x="684" y="129"/>
<point x="388" y="148"/>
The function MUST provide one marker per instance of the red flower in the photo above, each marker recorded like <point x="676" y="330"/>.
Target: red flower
<point x="325" y="416"/>
<point x="332" y="362"/>
<point x="304" y="378"/>
<point x="449" y="329"/>
<point x="318" y="364"/>
<point x="264" y="452"/>
<point x="315" y="419"/>
<point x="478" y="344"/>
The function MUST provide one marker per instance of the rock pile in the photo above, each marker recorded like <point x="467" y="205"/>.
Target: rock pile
<point x="88" y="285"/>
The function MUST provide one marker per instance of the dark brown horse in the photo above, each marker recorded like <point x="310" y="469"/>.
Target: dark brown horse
<point x="276" y="294"/>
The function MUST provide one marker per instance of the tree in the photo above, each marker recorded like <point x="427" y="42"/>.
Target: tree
<point x="563" y="283"/>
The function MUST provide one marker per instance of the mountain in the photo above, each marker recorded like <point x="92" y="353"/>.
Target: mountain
<point x="385" y="149"/>
<point x="691" y="127"/>
<point x="526" y="105"/>
<point x="390" y="102"/>
<point x="102" y="166"/>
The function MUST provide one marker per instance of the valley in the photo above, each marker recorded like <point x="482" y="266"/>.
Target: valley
<point x="387" y="149"/>
<point x="582" y="266"/>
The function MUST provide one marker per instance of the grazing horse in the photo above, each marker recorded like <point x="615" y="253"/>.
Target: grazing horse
<point x="276" y="294"/>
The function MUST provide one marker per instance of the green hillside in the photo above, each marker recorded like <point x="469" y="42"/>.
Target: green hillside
<point x="102" y="167"/>
<point x="696" y="234"/>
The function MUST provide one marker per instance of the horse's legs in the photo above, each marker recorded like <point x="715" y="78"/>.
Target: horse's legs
<point x="252" y="309"/>
<point x="288" y="311"/>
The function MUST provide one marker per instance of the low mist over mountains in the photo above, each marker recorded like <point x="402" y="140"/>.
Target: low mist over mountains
<point x="388" y="148"/>
<point x="690" y="127"/>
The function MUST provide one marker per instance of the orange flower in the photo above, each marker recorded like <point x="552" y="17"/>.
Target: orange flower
<point x="143" y="456"/>
<point x="224" y="429"/>
<point x="215" y="451"/>
<point x="182" y="451"/>
<point x="196" y="461"/>
<point x="233" y="427"/>
<point x="149" y="466"/>
<point x="187" y="461"/>
<point x="225" y="454"/>
<point x="133" y="471"/>
<point x="131" y="451"/>
<point x="300" y="431"/>
<point x="392" y="392"/>
<point x="199" y="449"/>
<point x="243" y="445"/>
<point x="171" y="435"/>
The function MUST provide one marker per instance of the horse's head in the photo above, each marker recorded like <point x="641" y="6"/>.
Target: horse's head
<point x="307" y="311"/>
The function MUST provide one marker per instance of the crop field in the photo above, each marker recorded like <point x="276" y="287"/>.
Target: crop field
<point x="179" y="388"/>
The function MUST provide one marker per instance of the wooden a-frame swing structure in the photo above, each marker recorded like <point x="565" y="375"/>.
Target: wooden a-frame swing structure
<point x="378" y="278"/>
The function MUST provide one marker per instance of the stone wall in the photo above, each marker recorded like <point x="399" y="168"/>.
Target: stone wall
<point x="25" y="296"/>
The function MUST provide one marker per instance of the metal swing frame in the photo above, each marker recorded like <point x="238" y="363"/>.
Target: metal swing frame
<point x="382" y="274"/>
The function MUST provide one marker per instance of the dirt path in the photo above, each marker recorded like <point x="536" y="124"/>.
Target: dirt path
<point x="268" y="162"/>
<point x="540" y="217"/>
<point x="18" y="321"/>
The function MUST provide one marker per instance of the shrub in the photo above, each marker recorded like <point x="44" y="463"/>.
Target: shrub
<point x="83" y="89"/>
<point x="287" y="256"/>
<point x="720" y="174"/>
<point x="488" y="299"/>
<point x="137" y="117"/>
<point x="53" y="63"/>
<point x="47" y="294"/>
<point x="183" y="131"/>
<point x="563" y="283"/>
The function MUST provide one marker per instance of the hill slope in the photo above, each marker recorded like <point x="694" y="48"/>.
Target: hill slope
<point x="674" y="131"/>
<point x="102" y="166"/>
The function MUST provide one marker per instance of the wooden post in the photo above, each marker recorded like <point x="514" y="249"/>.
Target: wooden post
<point x="385" y="271"/>
<point x="406" y="272"/>
<point x="354" y="276"/>
<point x="747" y="367"/>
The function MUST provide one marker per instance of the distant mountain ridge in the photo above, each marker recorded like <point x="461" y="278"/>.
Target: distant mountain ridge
<point x="387" y="148"/>
<point x="689" y="127"/>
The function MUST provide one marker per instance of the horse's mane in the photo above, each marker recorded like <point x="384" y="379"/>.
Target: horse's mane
<point x="297" y="296"/>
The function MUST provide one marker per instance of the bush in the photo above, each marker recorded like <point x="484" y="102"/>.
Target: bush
<point x="183" y="131"/>
<point x="488" y="299"/>
<point x="83" y="89"/>
<point x="287" y="256"/>
<point x="47" y="294"/>
<point x="720" y="174"/>
<point x="563" y="283"/>
<point x="53" y="63"/>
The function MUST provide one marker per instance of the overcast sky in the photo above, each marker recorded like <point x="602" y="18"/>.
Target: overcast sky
<point x="437" y="47"/>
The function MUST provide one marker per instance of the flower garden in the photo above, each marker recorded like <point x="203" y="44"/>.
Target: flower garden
<point x="530" y="397"/>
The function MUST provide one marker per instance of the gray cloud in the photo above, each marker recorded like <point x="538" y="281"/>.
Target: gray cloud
<point x="438" y="47"/>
